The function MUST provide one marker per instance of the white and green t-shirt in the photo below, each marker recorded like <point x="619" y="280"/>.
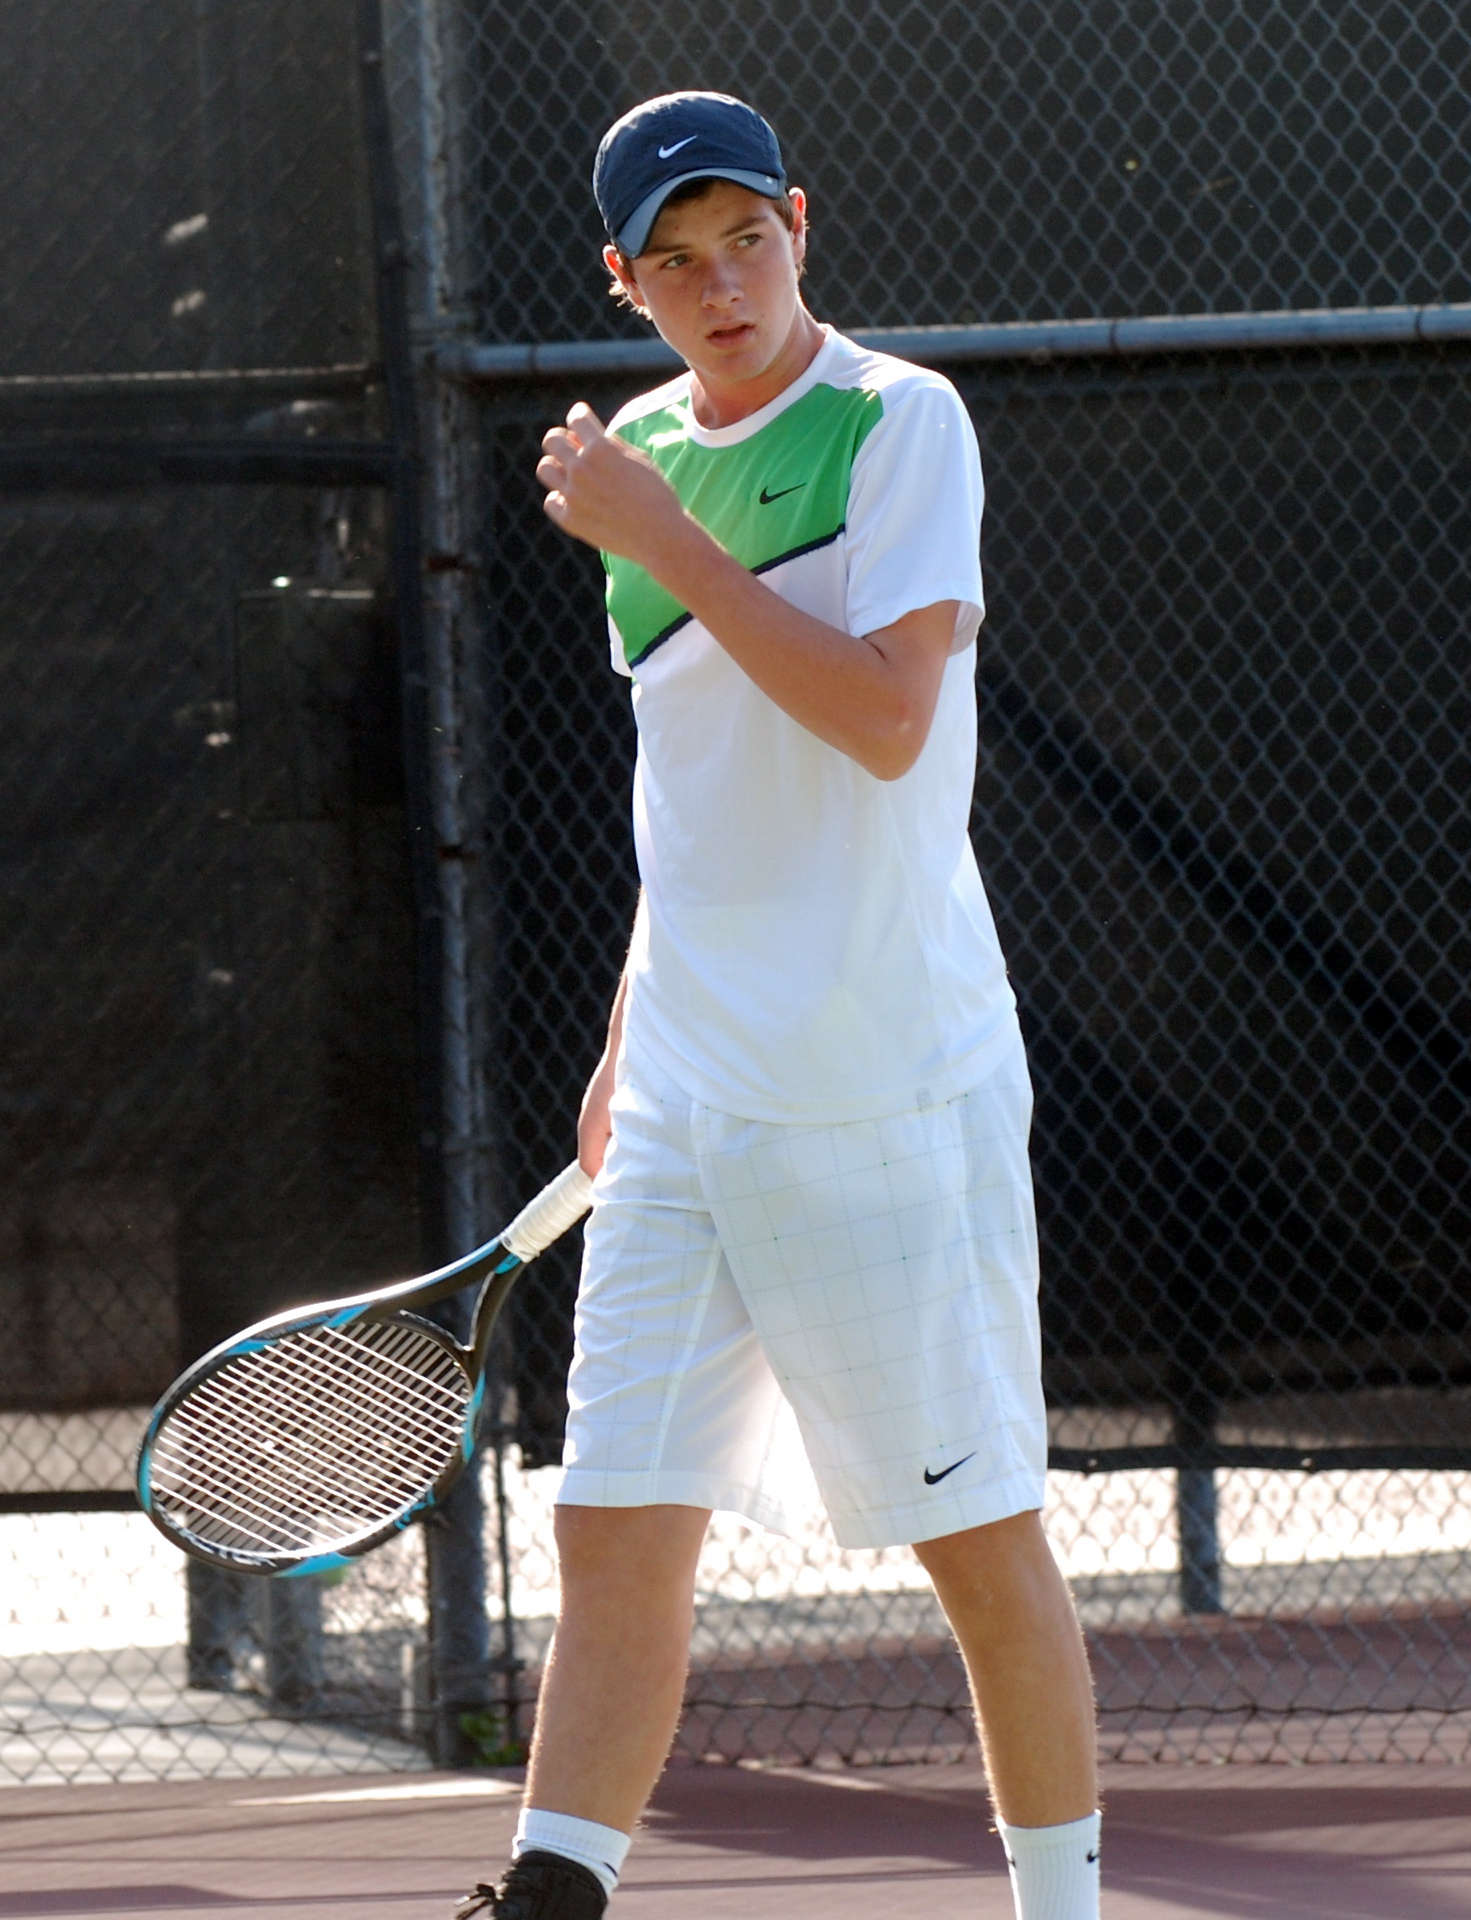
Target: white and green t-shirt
<point x="813" y="944"/>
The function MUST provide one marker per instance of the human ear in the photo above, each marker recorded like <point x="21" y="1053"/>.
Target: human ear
<point x="613" y="260"/>
<point x="799" y="226"/>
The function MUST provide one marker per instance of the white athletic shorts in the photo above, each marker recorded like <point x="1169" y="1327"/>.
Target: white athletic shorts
<point x="878" y="1279"/>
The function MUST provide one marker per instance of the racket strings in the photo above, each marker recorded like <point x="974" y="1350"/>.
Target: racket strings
<point x="259" y="1405"/>
<point x="264" y="1469"/>
<point x="290" y="1519"/>
<point x="312" y="1441"/>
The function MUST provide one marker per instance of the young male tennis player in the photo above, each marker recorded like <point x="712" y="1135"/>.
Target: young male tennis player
<point x="809" y="1128"/>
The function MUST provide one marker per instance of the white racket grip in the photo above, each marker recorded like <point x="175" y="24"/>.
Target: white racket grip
<point x="559" y="1205"/>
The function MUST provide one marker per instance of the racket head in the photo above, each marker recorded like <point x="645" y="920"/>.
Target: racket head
<point x="307" y="1440"/>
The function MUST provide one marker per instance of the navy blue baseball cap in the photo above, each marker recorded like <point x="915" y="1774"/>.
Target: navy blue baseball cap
<point x="677" y="137"/>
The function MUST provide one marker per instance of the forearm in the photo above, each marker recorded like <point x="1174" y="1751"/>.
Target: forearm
<point x="594" y="1121"/>
<point x="871" y="696"/>
<point x="615" y="1017"/>
<point x="859" y="694"/>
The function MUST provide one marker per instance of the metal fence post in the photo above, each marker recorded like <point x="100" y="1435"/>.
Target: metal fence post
<point x="422" y="228"/>
<point x="509" y="1660"/>
<point x="1195" y="1508"/>
<point x="219" y="1626"/>
<point x="295" y="1666"/>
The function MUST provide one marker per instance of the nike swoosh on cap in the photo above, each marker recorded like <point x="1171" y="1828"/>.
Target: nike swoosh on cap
<point x="665" y="152"/>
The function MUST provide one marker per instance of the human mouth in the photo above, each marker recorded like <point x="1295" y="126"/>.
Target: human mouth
<point x="733" y="336"/>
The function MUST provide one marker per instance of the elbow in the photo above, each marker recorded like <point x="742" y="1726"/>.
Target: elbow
<point x="887" y="766"/>
<point x="890" y="753"/>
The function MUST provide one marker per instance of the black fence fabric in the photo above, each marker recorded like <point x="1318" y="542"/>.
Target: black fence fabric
<point x="1007" y="160"/>
<point x="208" y="982"/>
<point x="185" y="187"/>
<point x="1223" y="808"/>
<point x="209" y="1035"/>
<point x="209" y="1020"/>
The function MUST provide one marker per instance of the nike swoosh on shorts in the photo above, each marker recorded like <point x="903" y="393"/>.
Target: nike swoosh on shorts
<point x="934" y="1479"/>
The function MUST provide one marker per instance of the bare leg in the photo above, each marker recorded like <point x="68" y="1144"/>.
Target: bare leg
<point x="615" y="1679"/>
<point x="1014" y="1619"/>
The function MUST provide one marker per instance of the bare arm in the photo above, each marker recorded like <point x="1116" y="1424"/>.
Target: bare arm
<point x="594" y="1127"/>
<point x="872" y="698"/>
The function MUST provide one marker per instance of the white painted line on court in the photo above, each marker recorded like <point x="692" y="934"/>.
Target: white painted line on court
<point x="413" y="1790"/>
<point x="822" y="1777"/>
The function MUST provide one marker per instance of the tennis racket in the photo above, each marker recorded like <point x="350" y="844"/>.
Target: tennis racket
<point x="323" y="1431"/>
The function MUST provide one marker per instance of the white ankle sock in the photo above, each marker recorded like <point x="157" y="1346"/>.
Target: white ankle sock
<point x="602" y="1850"/>
<point x="1054" y="1870"/>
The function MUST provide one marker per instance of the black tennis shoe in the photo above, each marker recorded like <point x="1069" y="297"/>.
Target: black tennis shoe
<point x="538" y="1886"/>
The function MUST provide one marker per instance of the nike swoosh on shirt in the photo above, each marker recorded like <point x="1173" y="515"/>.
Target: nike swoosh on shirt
<point x="934" y="1479"/>
<point x="766" y="498"/>
<point x="665" y="152"/>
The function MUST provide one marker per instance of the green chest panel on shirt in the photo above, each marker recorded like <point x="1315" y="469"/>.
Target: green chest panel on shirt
<point x="781" y="493"/>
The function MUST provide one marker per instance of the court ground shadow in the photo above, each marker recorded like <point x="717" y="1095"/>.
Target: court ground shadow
<point x="737" y="1843"/>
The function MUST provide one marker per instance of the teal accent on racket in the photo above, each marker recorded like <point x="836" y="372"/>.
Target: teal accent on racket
<point x="325" y="1430"/>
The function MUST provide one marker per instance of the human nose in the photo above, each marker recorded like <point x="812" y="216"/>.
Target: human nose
<point x="721" y="286"/>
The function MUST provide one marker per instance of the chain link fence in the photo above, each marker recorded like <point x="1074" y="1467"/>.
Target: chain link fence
<point x="318" y="869"/>
<point x="1221" y="809"/>
<point x="208" y="1018"/>
<point x="187" y="188"/>
<point x="1003" y="160"/>
<point x="208" y="1036"/>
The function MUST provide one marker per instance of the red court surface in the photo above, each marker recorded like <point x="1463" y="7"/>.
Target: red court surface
<point x="1262" y="1843"/>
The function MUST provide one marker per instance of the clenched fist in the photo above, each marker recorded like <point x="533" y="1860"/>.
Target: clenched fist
<point x="603" y="491"/>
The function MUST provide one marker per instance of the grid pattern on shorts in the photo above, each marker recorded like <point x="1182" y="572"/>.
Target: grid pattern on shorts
<point x="887" y="1268"/>
<point x="670" y="1397"/>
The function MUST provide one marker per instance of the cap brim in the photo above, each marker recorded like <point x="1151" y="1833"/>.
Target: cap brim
<point x="633" y="236"/>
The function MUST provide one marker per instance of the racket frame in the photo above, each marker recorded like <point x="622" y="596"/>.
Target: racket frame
<point x="495" y="1265"/>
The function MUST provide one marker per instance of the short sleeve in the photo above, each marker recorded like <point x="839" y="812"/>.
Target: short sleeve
<point x="914" y="513"/>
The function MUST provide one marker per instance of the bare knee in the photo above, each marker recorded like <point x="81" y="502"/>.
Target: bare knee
<point x="996" y="1569"/>
<point x="647" y="1546"/>
<point x="1016" y="1540"/>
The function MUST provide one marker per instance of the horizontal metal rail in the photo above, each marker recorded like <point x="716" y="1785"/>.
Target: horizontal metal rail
<point x="229" y="383"/>
<point x="63" y="1502"/>
<point x="1216" y="1458"/>
<point x="1007" y="340"/>
<point x="1208" y="1458"/>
